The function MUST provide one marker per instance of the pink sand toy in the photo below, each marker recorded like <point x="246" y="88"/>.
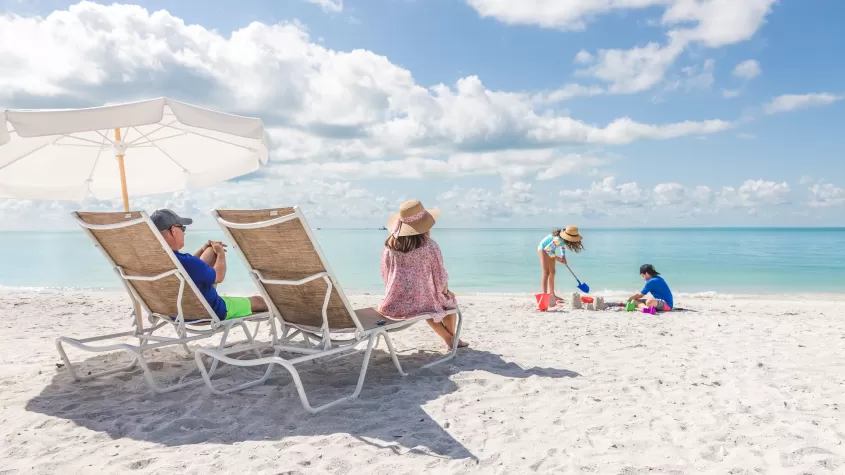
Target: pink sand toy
<point x="650" y="311"/>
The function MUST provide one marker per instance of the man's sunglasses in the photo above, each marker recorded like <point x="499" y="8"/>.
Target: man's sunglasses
<point x="182" y="227"/>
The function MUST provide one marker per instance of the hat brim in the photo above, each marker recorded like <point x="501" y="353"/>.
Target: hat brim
<point x="185" y="221"/>
<point x="567" y="237"/>
<point x="420" y="226"/>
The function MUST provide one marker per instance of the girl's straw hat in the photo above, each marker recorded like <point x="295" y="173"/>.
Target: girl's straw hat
<point x="570" y="234"/>
<point x="412" y="219"/>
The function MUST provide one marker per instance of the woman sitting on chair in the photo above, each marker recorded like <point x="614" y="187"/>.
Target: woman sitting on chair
<point x="415" y="280"/>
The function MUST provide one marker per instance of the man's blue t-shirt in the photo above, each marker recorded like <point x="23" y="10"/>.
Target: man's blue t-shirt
<point x="657" y="287"/>
<point x="203" y="276"/>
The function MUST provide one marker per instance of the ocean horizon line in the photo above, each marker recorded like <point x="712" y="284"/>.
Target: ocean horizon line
<point x="452" y="228"/>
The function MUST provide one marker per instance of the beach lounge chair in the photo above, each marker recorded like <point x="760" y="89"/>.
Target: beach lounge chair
<point x="157" y="283"/>
<point x="294" y="277"/>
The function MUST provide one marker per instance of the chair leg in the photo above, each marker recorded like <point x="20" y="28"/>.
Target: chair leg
<point x="454" y="344"/>
<point x="297" y="381"/>
<point x="393" y="355"/>
<point x="72" y="370"/>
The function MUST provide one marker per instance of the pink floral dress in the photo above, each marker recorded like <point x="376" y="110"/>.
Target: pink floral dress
<point x="415" y="283"/>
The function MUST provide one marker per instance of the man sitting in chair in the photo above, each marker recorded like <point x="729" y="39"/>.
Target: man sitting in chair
<point x="207" y="267"/>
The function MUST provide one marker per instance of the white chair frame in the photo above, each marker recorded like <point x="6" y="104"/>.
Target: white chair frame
<point x="317" y="343"/>
<point x="146" y="340"/>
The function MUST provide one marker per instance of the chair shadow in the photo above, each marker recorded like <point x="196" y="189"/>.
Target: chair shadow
<point x="388" y="414"/>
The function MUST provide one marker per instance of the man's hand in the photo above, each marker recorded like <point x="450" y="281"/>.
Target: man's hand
<point x="219" y="247"/>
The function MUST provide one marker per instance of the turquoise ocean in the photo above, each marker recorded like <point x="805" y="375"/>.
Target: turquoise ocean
<point x="729" y="260"/>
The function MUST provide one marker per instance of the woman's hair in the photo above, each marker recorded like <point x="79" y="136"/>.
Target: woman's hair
<point x="572" y="246"/>
<point x="649" y="269"/>
<point x="405" y="243"/>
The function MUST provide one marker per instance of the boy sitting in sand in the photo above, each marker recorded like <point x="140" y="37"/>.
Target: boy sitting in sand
<point x="661" y="300"/>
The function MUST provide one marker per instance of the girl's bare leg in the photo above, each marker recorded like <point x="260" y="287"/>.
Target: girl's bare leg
<point x="553" y="300"/>
<point x="544" y="271"/>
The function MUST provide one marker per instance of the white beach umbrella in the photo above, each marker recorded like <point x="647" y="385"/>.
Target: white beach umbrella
<point x="140" y="148"/>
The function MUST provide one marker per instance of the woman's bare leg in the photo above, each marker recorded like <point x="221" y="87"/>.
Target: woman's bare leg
<point x="446" y="330"/>
<point x="451" y="324"/>
<point x="441" y="331"/>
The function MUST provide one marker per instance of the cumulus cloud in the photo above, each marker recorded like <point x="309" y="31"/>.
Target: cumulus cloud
<point x="826" y="195"/>
<point x="790" y="102"/>
<point x="693" y="77"/>
<point x="712" y="23"/>
<point x="320" y="104"/>
<point x="612" y="199"/>
<point x="748" y="69"/>
<point x="513" y="199"/>
<point x="328" y="6"/>
<point x="755" y="193"/>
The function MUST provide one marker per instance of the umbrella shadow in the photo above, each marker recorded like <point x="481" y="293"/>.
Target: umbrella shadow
<point x="389" y="413"/>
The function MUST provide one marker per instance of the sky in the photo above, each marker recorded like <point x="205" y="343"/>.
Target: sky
<point x="536" y="113"/>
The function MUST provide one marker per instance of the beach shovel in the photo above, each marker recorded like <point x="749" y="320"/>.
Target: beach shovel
<point x="543" y="301"/>
<point x="582" y="287"/>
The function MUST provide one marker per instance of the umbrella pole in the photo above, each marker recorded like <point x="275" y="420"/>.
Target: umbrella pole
<point x="125" y="193"/>
<point x="120" y="165"/>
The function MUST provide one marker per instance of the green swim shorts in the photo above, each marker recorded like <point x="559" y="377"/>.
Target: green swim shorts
<point x="237" y="307"/>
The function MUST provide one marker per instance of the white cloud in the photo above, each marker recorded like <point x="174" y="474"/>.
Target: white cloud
<point x="790" y="102"/>
<point x="610" y="199"/>
<point x="322" y="200"/>
<point x="564" y="15"/>
<point x="328" y="6"/>
<point x="711" y="23"/>
<point x="748" y="69"/>
<point x="730" y="93"/>
<point x="634" y="70"/>
<point x="584" y="57"/>
<point x="513" y="199"/>
<point x="694" y="77"/>
<point x="755" y="193"/>
<point x="320" y="105"/>
<point x="826" y="195"/>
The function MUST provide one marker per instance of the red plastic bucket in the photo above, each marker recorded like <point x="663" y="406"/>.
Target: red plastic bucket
<point x="543" y="301"/>
<point x="587" y="300"/>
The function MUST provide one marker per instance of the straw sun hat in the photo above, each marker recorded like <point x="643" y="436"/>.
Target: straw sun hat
<point x="570" y="234"/>
<point x="412" y="219"/>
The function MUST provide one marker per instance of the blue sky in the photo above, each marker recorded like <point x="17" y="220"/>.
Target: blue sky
<point x="679" y="113"/>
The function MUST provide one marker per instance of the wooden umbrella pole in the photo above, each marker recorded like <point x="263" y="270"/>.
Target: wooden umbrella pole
<point x="125" y="193"/>
<point x="122" y="173"/>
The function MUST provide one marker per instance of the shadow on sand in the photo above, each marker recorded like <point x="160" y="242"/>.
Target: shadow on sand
<point x="389" y="413"/>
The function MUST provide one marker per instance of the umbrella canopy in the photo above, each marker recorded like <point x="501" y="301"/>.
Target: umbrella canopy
<point x="140" y="148"/>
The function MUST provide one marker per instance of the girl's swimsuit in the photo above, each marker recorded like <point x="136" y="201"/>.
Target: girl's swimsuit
<point x="553" y="246"/>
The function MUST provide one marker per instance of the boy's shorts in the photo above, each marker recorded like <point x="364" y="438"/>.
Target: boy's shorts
<point x="237" y="307"/>
<point x="662" y="306"/>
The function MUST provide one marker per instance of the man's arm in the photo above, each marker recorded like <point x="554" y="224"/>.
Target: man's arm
<point x="202" y="249"/>
<point x="220" y="263"/>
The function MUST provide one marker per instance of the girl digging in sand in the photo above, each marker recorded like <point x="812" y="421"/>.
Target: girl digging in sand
<point x="552" y="249"/>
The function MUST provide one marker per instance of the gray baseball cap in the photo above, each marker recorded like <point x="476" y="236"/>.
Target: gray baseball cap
<point x="165" y="219"/>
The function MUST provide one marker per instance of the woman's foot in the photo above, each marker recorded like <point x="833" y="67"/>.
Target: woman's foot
<point x="461" y="344"/>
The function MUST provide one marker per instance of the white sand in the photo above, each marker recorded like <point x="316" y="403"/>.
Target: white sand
<point x="738" y="386"/>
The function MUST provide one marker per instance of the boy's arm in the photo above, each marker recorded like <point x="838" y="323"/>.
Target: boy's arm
<point x="636" y="297"/>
